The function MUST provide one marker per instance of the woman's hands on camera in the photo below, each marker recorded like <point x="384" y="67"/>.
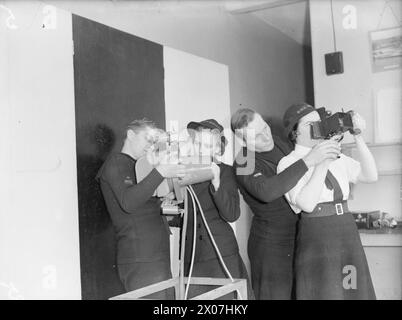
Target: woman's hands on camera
<point x="359" y="124"/>
<point x="325" y="151"/>
<point x="217" y="175"/>
<point x="166" y="164"/>
<point x="171" y="170"/>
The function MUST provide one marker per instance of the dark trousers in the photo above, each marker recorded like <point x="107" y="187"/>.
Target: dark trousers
<point x="271" y="247"/>
<point x="141" y="274"/>
<point x="271" y="263"/>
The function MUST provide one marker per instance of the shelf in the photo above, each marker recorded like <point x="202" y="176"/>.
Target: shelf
<point x="388" y="160"/>
<point x="380" y="240"/>
<point x="372" y="145"/>
<point x="384" y="237"/>
<point x="393" y="172"/>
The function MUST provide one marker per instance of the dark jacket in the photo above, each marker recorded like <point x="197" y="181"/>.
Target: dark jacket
<point x="273" y="229"/>
<point x="220" y="207"/>
<point x="142" y="233"/>
<point x="263" y="189"/>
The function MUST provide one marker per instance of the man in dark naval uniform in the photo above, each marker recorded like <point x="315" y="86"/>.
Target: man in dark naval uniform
<point x="273" y="229"/>
<point x="143" y="252"/>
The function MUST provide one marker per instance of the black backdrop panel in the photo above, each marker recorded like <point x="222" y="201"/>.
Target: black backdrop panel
<point x="118" y="77"/>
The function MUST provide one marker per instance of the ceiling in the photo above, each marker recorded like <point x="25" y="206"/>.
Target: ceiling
<point x="289" y="16"/>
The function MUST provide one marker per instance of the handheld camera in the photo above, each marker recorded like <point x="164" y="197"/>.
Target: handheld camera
<point x="332" y="124"/>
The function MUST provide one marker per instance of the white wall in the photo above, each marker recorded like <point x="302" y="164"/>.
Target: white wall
<point x="196" y="89"/>
<point x="39" y="216"/>
<point x="385" y="265"/>
<point x="357" y="88"/>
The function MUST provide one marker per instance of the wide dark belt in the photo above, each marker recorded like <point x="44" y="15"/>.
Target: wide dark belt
<point x="325" y="209"/>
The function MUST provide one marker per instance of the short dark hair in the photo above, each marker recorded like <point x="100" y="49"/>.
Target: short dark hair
<point x="140" y="124"/>
<point x="241" y="118"/>
<point x="292" y="136"/>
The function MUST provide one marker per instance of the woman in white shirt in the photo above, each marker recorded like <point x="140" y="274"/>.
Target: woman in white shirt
<point x="330" y="262"/>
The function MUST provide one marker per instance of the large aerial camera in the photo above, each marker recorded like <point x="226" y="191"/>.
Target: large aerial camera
<point x="332" y="124"/>
<point x="171" y="191"/>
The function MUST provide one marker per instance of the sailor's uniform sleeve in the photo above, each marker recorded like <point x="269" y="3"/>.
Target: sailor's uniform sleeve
<point x="267" y="188"/>
<point x="130" y="195"/>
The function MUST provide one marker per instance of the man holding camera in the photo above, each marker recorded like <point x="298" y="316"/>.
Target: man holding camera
<point x="143" y="253"/>
<point x="273" y="229"/>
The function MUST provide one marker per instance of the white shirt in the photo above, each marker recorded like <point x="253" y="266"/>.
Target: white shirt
<point x="345" y="169"/>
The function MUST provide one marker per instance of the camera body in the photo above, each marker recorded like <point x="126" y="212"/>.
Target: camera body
<point x="172" y="190"/>
<point x="332" y="124"/>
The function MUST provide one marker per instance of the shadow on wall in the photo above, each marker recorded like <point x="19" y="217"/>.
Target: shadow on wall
<point x="100" y="139"/>
<point x="276" y="122"/>
<point x="111" y="87"/>
<point x="277" y="129"/>
<point x="308" y="75"/>
<point x="308" y="59"/>
<point x="98" y="269"/>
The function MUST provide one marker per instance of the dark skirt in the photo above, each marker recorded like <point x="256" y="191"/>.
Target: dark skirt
<point x="213" y="269"/>
<point x="330" y="262"/>
<point x="141" y="274"/>
<point x="271" y="252"/>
